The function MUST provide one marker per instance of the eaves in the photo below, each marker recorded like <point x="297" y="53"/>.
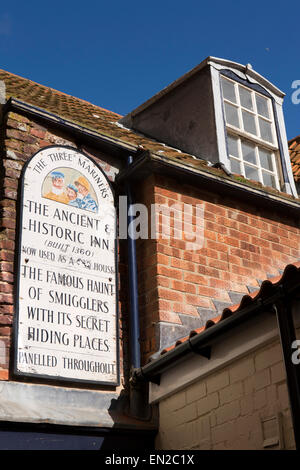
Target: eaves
<point x="211" y="179"/>
<point x="88" y="135"/>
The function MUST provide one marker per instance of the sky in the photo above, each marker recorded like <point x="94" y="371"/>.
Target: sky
<point x="118" y="54"/>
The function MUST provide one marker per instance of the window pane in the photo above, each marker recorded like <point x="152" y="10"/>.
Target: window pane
<point x="262" y="106"/>
<point x="228" y="90"/>
<point x="231" y="115"/>
<point x="249" y="122"/>
<point x="235" y="166"/>
<point x="268" y="179"/>
<point x="251" y="173"/>
<point x="265" y="130"/>
<point x="246" y="98"/>
<point x="248" y="152"/>
<point x="232" y="146"/>
<point x="265" y="158"/>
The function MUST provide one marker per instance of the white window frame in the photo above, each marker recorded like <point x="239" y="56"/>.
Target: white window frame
<point x="255" y="139"/>
<point x="260" y="169"/>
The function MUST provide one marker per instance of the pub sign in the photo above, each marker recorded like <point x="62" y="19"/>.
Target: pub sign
<point x="66" y="323"/>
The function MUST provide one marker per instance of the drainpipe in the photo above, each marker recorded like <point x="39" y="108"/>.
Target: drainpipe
<point x="139" y="407"/>
<point x="283" y="309"/>
<point x="133" y="282"/>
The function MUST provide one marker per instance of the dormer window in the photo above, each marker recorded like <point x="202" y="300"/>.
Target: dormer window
<point x="227" y="114"/>
<point x="251" y="134"/>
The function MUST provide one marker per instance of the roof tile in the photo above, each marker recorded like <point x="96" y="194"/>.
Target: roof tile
<point x="83" y="113"/>
<point x="294" y="148"/>
<point x="266" y="289"/>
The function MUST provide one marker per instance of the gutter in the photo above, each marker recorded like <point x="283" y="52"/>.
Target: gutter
<point x="18" y="105"/>
<point x="149" y="162"/>
<point x="198" y="344"/>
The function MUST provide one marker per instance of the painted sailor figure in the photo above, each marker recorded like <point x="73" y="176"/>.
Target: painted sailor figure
<point x="57" y="192"/>
<point x="72" y="193"/>
<point x="85" y="199"/>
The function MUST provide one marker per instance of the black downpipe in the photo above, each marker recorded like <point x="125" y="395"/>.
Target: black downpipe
<point x="139" y="407"/>
<point x="133" y="282"/>
<point x="283" y="309"/>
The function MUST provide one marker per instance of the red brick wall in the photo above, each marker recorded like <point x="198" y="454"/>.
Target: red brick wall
<point x="242" y="244"/>
<point x="21" y="138"/>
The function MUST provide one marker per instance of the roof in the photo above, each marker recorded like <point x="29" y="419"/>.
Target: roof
<point x="294" y="148"/>
<point x="78" y="111"/>
<point x="290" y="274"/>
<point x="229" y="64"/>
<point x="106" y="123"/>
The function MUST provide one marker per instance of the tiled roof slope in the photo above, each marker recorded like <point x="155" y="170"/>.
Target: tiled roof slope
<point x="294" y="148"/>
<point x="290" y="274"/>
<point x="105" y="123"/>
<point x="78" y="111"/>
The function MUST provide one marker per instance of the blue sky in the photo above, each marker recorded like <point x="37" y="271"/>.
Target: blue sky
<point x="118" y="54"/>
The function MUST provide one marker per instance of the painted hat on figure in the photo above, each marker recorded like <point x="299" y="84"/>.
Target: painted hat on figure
<point x="71" y="186"/>
<point x="57" y="174"/>
<point x="83" y="181"/>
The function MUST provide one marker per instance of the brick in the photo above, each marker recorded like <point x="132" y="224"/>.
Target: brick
<point x="283" y="396"/>
<point x="5" y="287"/>
<point x="6" y="309"/>
<point x="5" y="320"/>
<point x="186" y="414"/>
<point x="6" y="298"/>
<point x="7" y="244"/>
<point x="170" y="295"/>
<point x="195" y="278"/>
<point x="268" y="357"/>
<point x="262" y="379"/>
<point x="10" y="173"/>
<point x="241" y="370"/>
<point x="169" y="272"/>
<point x="260" y="399"/>
<point x="9" y="277"/>
<point x="13" y="164"/>
<point x="38" y="133"/>
<point x="195" y="391"/>
<point x="4" y="374"/>
<point x="176" y="401"/>
<point x="6" y="255"/>
<point x="14" y="145"/>
<point x="208" y="403"/>
<point x="10" y="183"/>
<point x="215" y="209"/>
<point x="17" y="117"/>
<point x="202" y="426"/>
<point x="231" y="393"/>
<point x="224" y="432"/>
<point x="19" y="135"/>
<point x="278" y="373"/>
<point x="10" y="194"/>
<point x="183" y="287"/>
<point x="217" y="381"/>
<point x="186" y="308"/>
<point x="247" y="404"/>
<point x="228" y="412"/>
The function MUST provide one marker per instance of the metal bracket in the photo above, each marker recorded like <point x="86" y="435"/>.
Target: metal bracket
<point x="205" y="351"/>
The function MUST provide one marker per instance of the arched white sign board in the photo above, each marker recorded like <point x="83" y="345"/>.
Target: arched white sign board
<point x="66" y="322"/>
